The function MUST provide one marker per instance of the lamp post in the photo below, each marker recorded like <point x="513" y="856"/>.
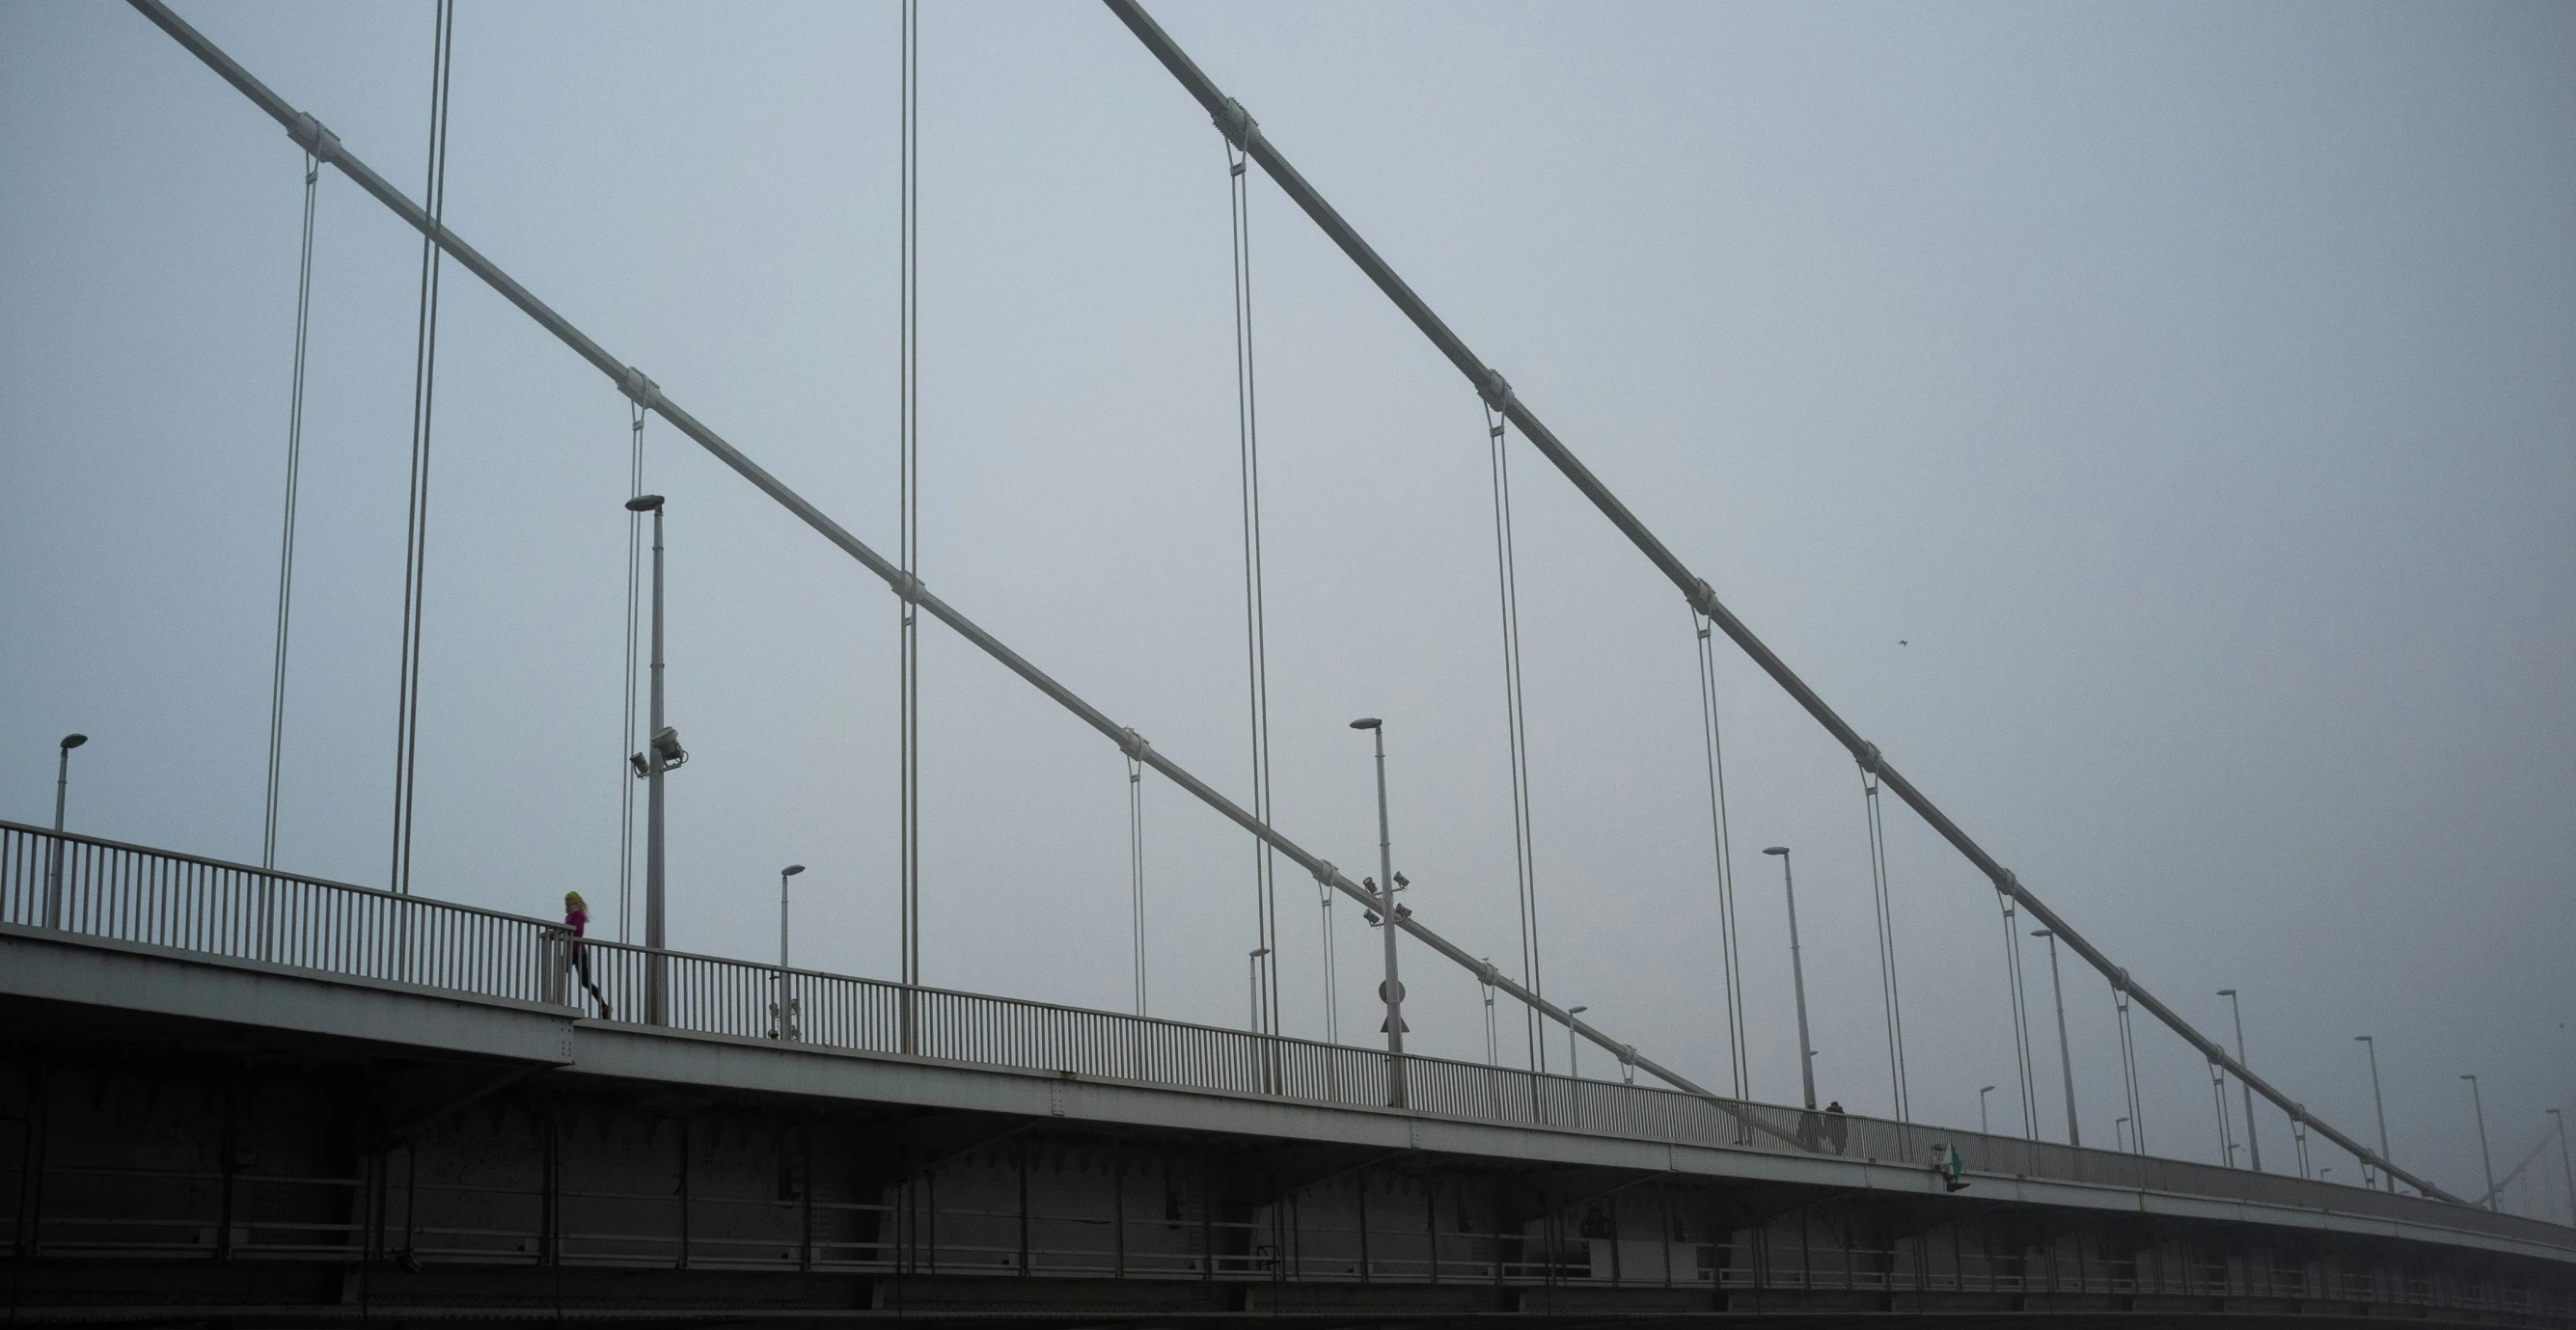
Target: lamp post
<point x="2381" y="1105"/>
<point x="661" y="754"/>
<point x="2488" y="1160"/>
<point x="2253" y="1147"/>
<point x="2566" y="1165"/>
<point x="1252" y="968"/>
<point x="1573" y="1065"/>
<point x="1391" y="990"/>
<point x="1982" y="1092"/>
<point x="1798" y="980"/>
<point x="2120" y="1134"/>
<point x="54" y="858"/>
<point x="2065" y="1056"/>
<point x="784" y="1009"/>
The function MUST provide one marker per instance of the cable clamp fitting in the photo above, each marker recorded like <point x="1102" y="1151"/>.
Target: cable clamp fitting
<point x="310" y="135"/>
<point x="639" y="389"/>
<point x="1133" y="744"/>
<point x="908" y="586"/>
<point x="1703" y="598"/>
<point x="1627" y="1055"/>
<point x="1868" y="757"/>
<point x="1325" y="873"/>
<point x="1238" y="126"/>
<point x="2009" y="884"/>
<point x="1497" y="392"/>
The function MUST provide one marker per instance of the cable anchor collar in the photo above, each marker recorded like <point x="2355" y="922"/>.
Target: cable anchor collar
<point x="1238" y="126"/>
<point x="1497" y="392"/>
<point x="1132" y="744"/>
<point x="310" y="135"/>
<point x="640" y="390"/>
<point x="1869" y="759"/>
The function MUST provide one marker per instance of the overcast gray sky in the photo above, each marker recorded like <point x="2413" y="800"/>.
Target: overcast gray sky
<point x="2187" y="389"/>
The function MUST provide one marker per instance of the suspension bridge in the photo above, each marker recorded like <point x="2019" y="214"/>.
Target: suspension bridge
<point x="246" y="1095"/>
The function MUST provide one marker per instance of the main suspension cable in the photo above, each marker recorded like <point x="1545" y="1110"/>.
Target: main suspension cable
<point x="286" y="540"/>
<point x="634" y="635"/>
<point x="1256" y="639"/>
<point x="424" y="392"/>
<point x="1524" y="856"/>
<point x="1895" y="1010"/>
<point x="1730" y="957"/>
<point x="908" y="490"/>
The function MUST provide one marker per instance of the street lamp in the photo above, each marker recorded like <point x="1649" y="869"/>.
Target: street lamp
<point x="2382" y="1106"/>
<point x="2120" y="1133"/>
<point x="784" y="1009"/>
<point x="1798" y="980"/>
<point x="1391" y="990"/>
<point x="662" y="754"/>
<point x="2253" y="1147"/>
<point x="2065" y="1057"/>
<point x="1252" y="968"/>
<point x="1573" y="1067"/>
<point x="54" y="859"/>
<point x="1982" y="1092"/>
<point x="2477" y="1102"/>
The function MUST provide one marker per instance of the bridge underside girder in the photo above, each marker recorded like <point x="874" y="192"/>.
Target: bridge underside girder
<point x="170" y="1170"/>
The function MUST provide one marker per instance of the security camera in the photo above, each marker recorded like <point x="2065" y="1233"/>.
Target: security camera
<point x="1401" y="881"/>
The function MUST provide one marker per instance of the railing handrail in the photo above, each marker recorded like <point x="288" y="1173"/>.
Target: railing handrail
<point x="281" y="874"/>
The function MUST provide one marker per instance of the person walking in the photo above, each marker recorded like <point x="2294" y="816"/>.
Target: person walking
<point x="1837" y="1127"/>
<point x="577" y="918"/>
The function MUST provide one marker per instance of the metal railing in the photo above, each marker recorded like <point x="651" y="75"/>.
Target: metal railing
<point x="128" y="893"/>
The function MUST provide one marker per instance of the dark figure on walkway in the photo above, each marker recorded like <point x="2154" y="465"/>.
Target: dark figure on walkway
<point x="1837" y="1127"/>
<point x="577" y="918"/>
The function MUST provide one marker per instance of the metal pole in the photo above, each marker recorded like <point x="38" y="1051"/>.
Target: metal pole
<point x="1573" y="1063"/>
<point x="1798" y="980"/>
<point x="54" y="852"/>
<point x="2484" y="1158"/>
<point x="2380" y="1105"/>
<point x="2253" y="1146"/>
<point x="786" y="1021"/>
<point x="1982" y="1092"/>
<point x="1252" y="977"/>
<point x="2566" y="1165"/>
<point x="1392" y="991"/>
<point x="2065" y="1056"/>
<point x="656" y="996"/>
<point x="1238" y="123"/>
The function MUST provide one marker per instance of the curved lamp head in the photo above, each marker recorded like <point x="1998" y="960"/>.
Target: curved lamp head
<point x="2041" y="932"/>
<point x="1576" y="1011"/>
<point x="1781" y="850"/>
<point x="644" y="503"/>
<point x="2227" y="992"/>
<point x="791" y="870"/>
<point x="72" y="741"/>
<point x="1983" y="1088"/>
<point x="1367" y="723"/>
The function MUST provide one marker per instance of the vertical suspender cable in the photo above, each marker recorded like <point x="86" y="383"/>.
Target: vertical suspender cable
<point x="1886" y="945"/>
<point x="908" y="487"/>
<point x="1507" y="574"/>
<point x="2226" y="1129"/>
<point x="1136" y="870"/>
<point x="2129" y="1064"/>
<point x="1730" y="957"/>
<point x="1265" y="896"/>
<point x="424" y="392"/>
<point x="286" y="541"/>
<point x="2021" y="1019"/>
<point x="634" y="634"/>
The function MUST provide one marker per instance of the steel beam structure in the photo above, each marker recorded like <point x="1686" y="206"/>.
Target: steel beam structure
<point x="1238" y="125"/>
<point x="326" y="147"/>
